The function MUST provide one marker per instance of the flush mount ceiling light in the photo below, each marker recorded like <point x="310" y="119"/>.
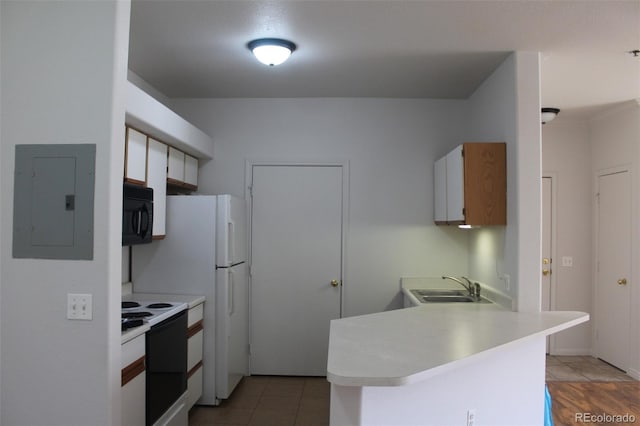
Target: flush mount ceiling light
<point x="271" y="51"/>
<point x="549" y="114"/>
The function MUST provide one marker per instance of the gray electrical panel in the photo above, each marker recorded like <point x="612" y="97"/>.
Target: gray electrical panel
<point x="53" y="201"/>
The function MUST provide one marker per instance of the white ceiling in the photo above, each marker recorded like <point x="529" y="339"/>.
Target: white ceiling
<point x="395" y="48"/>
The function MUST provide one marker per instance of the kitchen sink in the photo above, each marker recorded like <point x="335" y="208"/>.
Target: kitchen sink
<point x="448" y="293"/>
<point x="446" y="296"/>
<point x="445" y="299"/>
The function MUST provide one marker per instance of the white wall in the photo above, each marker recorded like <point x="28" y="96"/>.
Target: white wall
<point x="566" y="156"/>
<point x="60" y="64"/>
<point x="506" y="108"/>
<point x="390" y="144"/>
<point x="615" y="139"/>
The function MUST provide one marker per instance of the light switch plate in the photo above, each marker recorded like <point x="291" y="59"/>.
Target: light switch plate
<point x="567" y="261"/>
<point x="79" y="306"/>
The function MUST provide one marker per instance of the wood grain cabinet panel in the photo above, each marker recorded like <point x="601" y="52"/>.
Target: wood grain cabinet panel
<point x="471" y="181"/>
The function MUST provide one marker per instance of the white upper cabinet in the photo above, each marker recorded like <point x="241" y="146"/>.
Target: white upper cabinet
<point x="455" y="185"/>
<point x="175" y="172"/>
<point x="157" y="179"/>
<point x="440" y="190"/>
<point x="135" y="169"/>
<point x="183" y="171"/>
<point x="190" y="171"/>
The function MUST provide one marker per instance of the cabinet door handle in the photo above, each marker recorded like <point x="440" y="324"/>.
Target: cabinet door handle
<point x="335" y="283"/>
<point x="622" y="281"/>
<point x="546" y="272"/>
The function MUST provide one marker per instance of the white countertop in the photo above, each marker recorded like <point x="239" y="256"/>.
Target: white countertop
<point x="404" y="346"/>
<point x="132" y="333"/>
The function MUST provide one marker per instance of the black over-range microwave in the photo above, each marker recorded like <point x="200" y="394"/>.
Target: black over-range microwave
<point x="137" y="214"/>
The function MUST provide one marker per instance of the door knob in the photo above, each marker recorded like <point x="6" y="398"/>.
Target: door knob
<point x="622" y="281"/>
<point x="335" y="283"/>
<point x="546" y="272"/>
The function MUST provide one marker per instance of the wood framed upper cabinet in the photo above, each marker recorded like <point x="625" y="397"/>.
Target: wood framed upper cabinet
<point x="135" y="157"/>
<point x="182" y="171"/>
<point x="157" y="179"/>
<point x="190" y="171"/>
<point x="476" y="185"/>
<point x="175" y="170"/>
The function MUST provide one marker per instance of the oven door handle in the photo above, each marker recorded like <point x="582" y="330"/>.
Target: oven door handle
<point x="144" y="214"/>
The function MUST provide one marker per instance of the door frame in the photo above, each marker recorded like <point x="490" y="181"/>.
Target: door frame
<point x="624" y="168"/>
<point x="344" y="165"/>
<point x="554" y="250"/>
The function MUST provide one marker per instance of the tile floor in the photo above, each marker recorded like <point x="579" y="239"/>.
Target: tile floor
<point x="304" y="401"/>
<point x="270" y="401"/>
<point x="582" y="369"/>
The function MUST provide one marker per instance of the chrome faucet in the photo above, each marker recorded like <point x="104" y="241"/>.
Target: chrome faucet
<point x="472" y="288"/>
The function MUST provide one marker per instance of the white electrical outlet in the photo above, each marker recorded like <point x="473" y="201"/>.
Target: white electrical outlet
<point x="79" y="306"/>
<point x="471" y="417"/>
<point x="506" y="278"/>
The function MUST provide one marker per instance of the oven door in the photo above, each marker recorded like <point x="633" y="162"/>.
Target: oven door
<point x="166" y="365"/>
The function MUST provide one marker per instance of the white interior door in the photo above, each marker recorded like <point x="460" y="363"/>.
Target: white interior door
<point x="612" y="314"/>
<point x="296" y="253"/>
<point x="547" y="238"/>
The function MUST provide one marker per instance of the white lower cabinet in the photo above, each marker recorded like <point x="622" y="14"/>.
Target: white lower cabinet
<point x="195" y="335"/>
<point x="176" y="415"/>
<point x="133" y="382"/>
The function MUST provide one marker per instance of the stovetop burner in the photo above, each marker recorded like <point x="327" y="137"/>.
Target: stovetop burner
<point x="136" y="314"/>
<point x="159" y="305"/>
<point x="149" y="311"/>
<point x="131" y="323"/>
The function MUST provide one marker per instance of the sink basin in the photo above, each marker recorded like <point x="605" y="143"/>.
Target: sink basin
<point x="448" y="293"/>
<point x="445" y="296"/>
<point x="446" y="299"/>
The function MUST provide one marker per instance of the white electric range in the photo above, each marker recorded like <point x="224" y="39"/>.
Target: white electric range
<point x="136" y="313"/>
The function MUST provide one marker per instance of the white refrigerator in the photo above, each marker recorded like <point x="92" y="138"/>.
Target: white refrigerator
<point x="204" y="253"/>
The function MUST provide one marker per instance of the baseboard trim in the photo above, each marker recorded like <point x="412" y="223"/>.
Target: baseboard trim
<point x="572" y="352"/>
<point x="634" y="373"/>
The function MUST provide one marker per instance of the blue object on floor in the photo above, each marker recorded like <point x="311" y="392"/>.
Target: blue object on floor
<point x="548" y="418"/>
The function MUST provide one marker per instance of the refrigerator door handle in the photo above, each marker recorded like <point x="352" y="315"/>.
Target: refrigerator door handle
<point x="230" y="241"/>
<point x="230" y="301"/>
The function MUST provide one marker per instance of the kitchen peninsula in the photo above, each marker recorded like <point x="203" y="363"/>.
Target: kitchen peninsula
<point x="442" y="364"/>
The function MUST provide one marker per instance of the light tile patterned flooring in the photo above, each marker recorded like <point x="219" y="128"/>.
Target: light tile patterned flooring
<point x="270" y="401"/>
<point x="582" y="369"/>
<point x="304" y="401"/>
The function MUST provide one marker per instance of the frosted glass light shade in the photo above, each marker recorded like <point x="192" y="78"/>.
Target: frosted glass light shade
<point x="549" y="114"/>
<point x="271" y="51"/>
